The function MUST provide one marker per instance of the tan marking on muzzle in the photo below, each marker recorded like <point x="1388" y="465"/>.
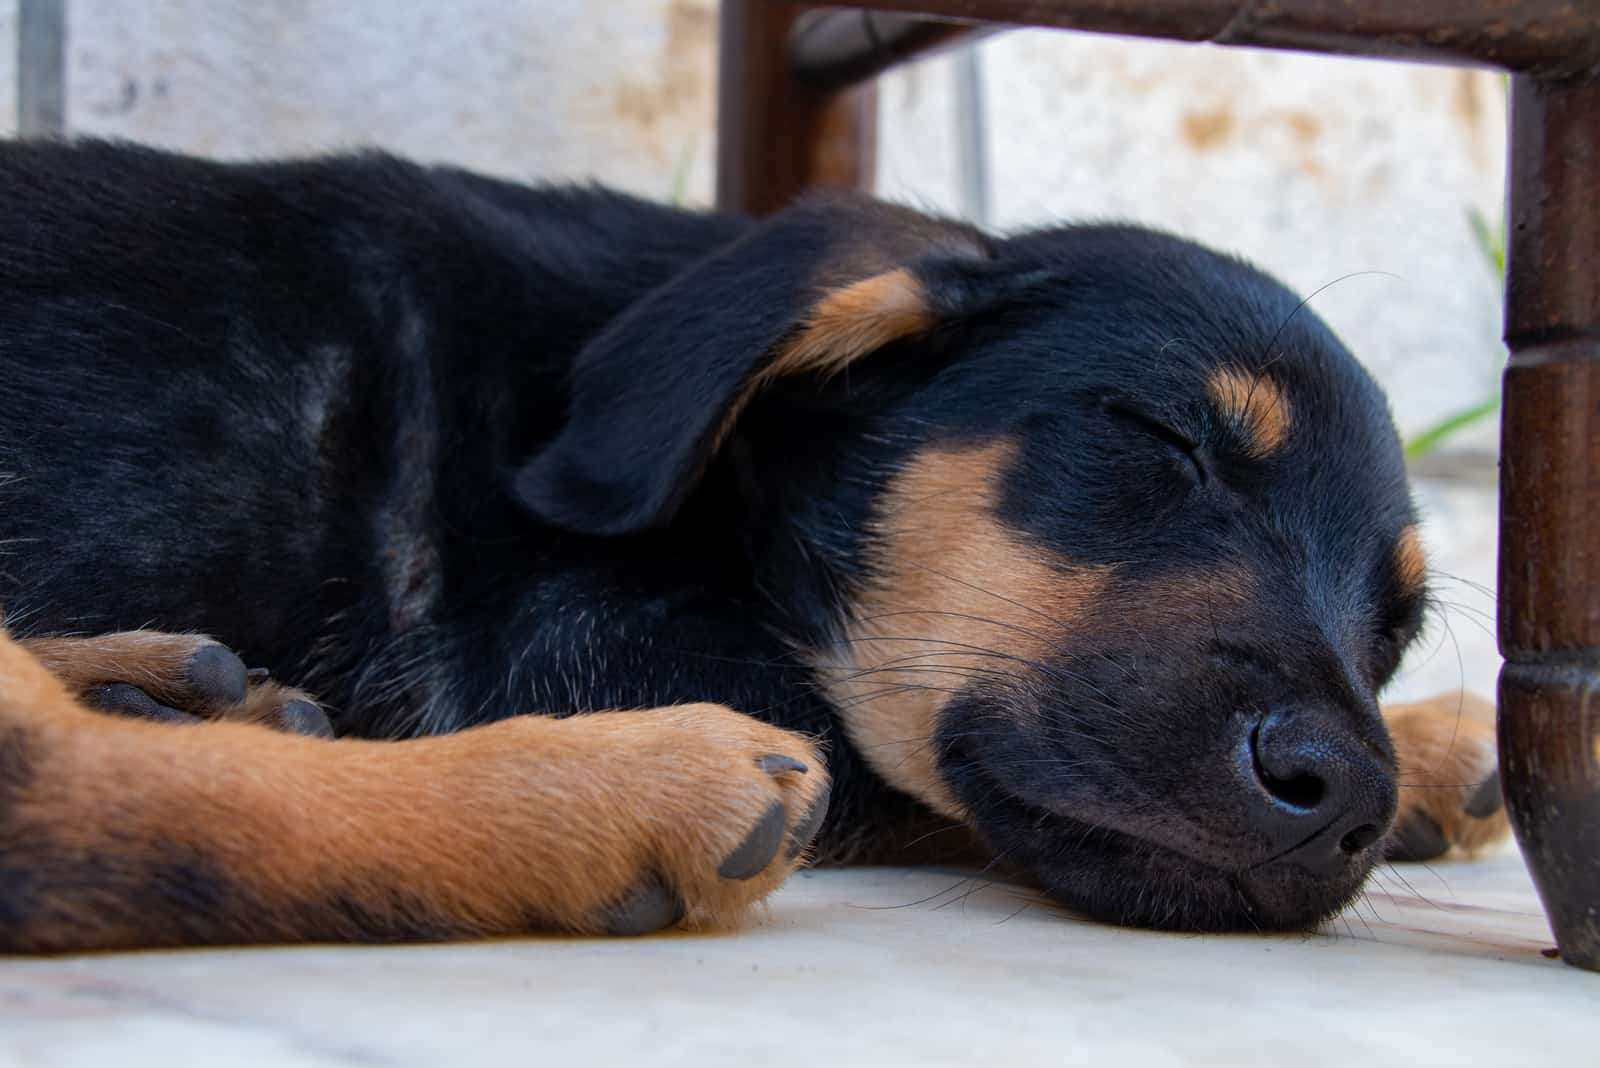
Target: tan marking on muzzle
<point x="958" y="598"/>
<point x="1220" y="590"/>
<point x="1255" y="405"/>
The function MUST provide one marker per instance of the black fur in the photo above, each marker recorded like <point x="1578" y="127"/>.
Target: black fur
<point x="439" y="449"/>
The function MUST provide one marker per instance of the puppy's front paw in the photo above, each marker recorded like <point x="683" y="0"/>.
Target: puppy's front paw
<point x="710" y="811"/>
<point x="175" y="678"/>
<point x="1449" y="778"/>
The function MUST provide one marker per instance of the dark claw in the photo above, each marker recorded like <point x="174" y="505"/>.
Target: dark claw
<point x="649" y="908"/>
<point x="127" y="700"/>
<point x="1487" y="799"/>
<point x="777" y="763"/>
<point x="759" y="846"/>
<point x="303" y="717"/>
<point x="258" y="674"/>
<point x="217" y="675"/>
<point x="809" y="825"/>
<point x="1417" y="838"/>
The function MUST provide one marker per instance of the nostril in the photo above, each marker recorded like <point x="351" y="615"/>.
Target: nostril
<point x="1302" y="791"/>
<point x="1322" y="800"/>
<point x="1293" y="786"/>
<point x="1360" y="838"/>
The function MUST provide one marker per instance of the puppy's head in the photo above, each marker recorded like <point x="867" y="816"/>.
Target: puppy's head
<point x="1100" y="541"/>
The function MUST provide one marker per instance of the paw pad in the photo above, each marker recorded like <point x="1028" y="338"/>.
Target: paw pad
<point x="1417" y="837"/>
<point x="303" y="717"/>
<point x="649" y="908"/>
<point x="126" y="700"/>
<point x="217" y="676"/>
<point x="1487" y="799"/>
<point x="751" y="857"/>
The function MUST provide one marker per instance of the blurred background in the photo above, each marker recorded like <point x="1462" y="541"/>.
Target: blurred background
<point x="1381" y="183"/>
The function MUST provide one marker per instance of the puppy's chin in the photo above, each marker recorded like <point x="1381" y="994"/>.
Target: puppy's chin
<point x="1122" y="878"/>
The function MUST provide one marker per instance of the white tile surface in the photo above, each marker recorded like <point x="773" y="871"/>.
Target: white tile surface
<point x="875" y="966"/>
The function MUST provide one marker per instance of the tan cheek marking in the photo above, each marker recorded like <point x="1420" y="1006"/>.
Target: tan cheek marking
<point x="1256" y="405"/>
<point x="953" y="584"/>
<point x="1411" y="565"/>
<point x="852" y="321"/>
<point x="1222" y="590"/>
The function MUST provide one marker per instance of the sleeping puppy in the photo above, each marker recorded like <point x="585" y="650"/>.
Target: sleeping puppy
<point x="1085" y="551"/>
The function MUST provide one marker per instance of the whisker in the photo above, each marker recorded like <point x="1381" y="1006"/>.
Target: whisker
<point x="1047" y="617"/>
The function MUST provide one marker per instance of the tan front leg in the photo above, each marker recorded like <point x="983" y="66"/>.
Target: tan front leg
<point x="119" y="832"/>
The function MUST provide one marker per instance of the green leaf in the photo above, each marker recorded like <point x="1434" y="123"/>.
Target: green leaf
<point x="1429" y="439"/>
<point x="1491" y="242"/>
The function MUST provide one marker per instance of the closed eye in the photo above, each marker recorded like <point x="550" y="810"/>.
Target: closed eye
<point x="1154" y="427"/>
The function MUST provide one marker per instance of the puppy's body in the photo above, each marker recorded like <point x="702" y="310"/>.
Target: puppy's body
<point x="282" y="404"/>
<point x="443" y="450"/>
<point x="301" y="392"/>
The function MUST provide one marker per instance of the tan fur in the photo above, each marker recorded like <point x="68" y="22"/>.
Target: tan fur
<point x="1256" y="406"/>
<point x="852" y="321"/>
<point x="29" y="687"/>
<point x="157" y="663"/>
<point x="866" y="298"/>
<point x="264" y="705"/>
<point x="848" y="322"/>
<point x="154" y="661"/>
<point x="952" y="584"/>
<point x="1445" y="747"/>
<point x="528" y="824"/>
<point x="1411" y="565"/>
<point x="1175" y="599"/>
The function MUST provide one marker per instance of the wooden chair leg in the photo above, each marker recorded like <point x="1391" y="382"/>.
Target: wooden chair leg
<point x="1550" y="505"/>
<point x="777" y="137"/>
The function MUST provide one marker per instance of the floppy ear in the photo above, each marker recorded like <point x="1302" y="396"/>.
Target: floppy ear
<point x="823" y="283"/>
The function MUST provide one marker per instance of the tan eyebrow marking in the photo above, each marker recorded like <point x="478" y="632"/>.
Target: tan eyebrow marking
<point x="1256" y="405"/>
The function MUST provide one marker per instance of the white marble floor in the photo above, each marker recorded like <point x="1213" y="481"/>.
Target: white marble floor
<point x="876" y="966"/>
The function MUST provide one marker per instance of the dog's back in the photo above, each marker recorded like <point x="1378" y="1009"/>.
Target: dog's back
<point x="284" y="386"/>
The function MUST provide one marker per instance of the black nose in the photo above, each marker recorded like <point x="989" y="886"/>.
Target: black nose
<point x="1323" y="795"/>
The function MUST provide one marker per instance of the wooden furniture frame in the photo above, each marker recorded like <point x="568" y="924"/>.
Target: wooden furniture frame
<point x="797" y="109"/>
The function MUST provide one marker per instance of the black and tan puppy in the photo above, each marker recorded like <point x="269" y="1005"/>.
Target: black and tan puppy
<point x="1088" y="540"/>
